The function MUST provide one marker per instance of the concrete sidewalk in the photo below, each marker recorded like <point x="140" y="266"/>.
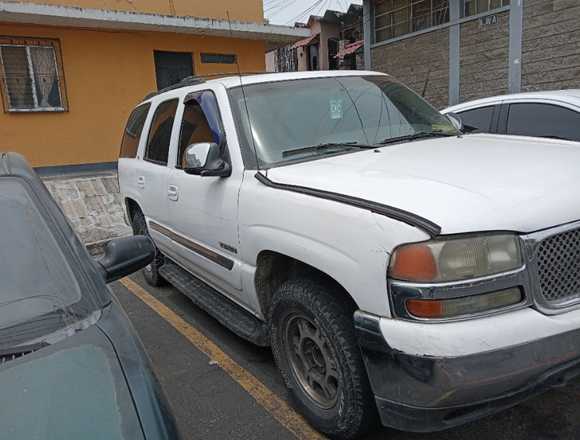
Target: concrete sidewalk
<point x="93" y="205"/>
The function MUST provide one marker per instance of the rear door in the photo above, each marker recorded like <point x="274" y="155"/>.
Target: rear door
<point x="543" y="119"/>
<point x="151" y="176"/>
<point x="203" y="211"/>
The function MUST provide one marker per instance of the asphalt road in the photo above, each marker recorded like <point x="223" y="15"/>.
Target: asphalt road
<point x="210" y="404"/>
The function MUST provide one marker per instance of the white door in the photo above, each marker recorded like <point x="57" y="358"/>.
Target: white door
<point x="152" y="172"/>
<point x="203" y="211"/>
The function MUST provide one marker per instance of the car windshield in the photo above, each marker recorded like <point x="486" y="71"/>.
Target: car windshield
<point x="287" y="121"/>
<point x="40" y="292"/>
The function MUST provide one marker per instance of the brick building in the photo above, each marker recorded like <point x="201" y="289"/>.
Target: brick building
<point x="458" y="50"/>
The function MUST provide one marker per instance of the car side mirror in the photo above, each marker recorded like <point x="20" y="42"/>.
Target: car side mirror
<point x="123" y="256"/>
<point x="456" y="121"/>
<point x="204" y="159"/>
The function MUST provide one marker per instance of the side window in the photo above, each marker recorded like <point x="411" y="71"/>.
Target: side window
<point x="544" y="120"/>
<point x="201" y="122"/>
<point x="477" y="120"/>
<point x="132" y="133"/>
<point x="159" y="138"/>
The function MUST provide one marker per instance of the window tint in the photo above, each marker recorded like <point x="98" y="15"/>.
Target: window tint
<point x="544" y="120"/>
<point x="160" y="132"/>
<point x="477" y="120"/>
<point x="133" y="130"/>
<point x="201" y="123"/>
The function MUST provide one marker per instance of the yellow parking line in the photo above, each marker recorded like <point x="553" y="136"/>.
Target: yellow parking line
<point x="277" y="407"/>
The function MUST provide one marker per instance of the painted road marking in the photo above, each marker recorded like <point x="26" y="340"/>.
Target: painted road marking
<point x="277" y="407"/>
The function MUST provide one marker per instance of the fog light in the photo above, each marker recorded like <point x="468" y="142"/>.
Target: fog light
<point x="469" y="305"/>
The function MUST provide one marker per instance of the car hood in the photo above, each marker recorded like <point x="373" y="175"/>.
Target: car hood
<point x="74" y="389"/>
<point x="470" y="183"/>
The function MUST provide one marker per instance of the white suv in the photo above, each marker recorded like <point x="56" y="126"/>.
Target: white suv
<point x="396" y="267"/>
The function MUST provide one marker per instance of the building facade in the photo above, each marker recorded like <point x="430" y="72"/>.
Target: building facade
<point x="71" y="70"/>
<point x="335" y="42"/>
<point x="453" y="51"/>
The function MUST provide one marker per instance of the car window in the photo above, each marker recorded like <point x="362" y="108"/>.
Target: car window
<point x="543" y="120"/>
<point x="160" y="132"/>
<point x="278" y="117"/>
<point x="201" y="123"/>
<point x="132" y="133"/>
<point x="477" y="120"/>
<point x="40" y="288"/>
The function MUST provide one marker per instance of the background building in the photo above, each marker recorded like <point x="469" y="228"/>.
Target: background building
<point x="71" y="70"/>
<point x="335" y="42"/>
<point x="458" y="50"/>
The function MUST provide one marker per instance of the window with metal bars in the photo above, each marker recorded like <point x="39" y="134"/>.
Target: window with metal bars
<point x="394" y="18"/>
<point x="31" y="75"/>
<point x="474" y="7"/>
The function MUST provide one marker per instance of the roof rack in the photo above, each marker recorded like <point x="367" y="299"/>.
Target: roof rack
<point x="200" y="79"/>
<point x="185" y="82"/>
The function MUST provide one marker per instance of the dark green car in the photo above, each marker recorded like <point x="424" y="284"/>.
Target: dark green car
<point x="71" y="366"/>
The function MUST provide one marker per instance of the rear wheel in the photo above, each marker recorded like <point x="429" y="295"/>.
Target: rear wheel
<point x="315" y="347"/>
<point x="151" y="271"/>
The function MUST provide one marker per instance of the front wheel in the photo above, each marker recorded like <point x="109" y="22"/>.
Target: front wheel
<point x="315" y="348"/>
<point x="151" y="271"/>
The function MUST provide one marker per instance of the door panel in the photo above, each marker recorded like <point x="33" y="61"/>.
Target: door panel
<point x="203" y="211"/>
<point x="151" y="177"/>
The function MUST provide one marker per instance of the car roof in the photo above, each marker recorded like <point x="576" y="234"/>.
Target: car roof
<point x="232" y="81"/>
<point x="571" y="96"/>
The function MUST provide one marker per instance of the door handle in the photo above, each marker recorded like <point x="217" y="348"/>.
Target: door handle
<point x="173" y="193"/>
<point x="141" y="181"/>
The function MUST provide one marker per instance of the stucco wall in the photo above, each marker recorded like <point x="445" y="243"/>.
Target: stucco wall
<point x="417" y="61"/>
<point x="551" y="45"/>
<point x="247" y="10"/>
<point x="484" y="58"/>
<point x="106" y="74"/>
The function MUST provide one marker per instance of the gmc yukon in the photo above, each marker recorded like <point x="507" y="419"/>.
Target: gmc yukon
<point x="400" y="270"/>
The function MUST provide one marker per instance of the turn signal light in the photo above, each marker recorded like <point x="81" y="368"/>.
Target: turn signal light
<point x="414" y="262"/>
<point x="469" y="305"/>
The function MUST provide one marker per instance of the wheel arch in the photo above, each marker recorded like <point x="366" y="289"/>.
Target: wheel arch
<point x="273" y="268"/>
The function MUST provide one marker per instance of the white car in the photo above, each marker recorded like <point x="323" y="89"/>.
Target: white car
<point x="553" y="114"/>
<point x="395" y="266"/>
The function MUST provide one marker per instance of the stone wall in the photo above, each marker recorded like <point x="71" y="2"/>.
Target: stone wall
<point x="551" y="45"/>
<point x="92" y="204"/>
<point x="416" y="61"/>
<point x="484" y="59"/>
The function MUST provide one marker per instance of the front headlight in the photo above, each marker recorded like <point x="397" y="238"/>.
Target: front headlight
<point x="456" y="259"/>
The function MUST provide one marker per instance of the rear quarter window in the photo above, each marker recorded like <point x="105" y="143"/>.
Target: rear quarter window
<point x="133" y="130"/>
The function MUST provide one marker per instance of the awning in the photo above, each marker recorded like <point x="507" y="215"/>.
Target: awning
<point x="350" y="49"/>
<point x="307" y="41"/>
<point x="69" y="16"/>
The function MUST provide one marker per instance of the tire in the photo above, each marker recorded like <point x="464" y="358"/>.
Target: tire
<point x="151" y="271"/>
<point x="344" y="407"/>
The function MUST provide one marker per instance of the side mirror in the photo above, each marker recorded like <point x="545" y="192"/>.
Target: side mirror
<point x="456" y="121"/>
<point x="123" y="256"/>
<point x="204" y="160"/>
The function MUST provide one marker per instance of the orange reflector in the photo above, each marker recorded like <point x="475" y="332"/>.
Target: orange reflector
<point x="425" y="308"/>
<point x="414" y="262"/>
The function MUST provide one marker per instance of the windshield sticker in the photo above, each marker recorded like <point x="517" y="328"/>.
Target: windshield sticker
<point x="336" y="108"/>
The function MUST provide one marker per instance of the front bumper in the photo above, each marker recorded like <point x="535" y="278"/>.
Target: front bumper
<point x="423" y="393"/>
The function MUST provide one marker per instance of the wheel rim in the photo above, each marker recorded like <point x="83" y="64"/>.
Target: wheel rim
<point x="312" y="360"/>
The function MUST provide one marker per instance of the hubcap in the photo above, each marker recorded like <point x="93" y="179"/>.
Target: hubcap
<point x="312" y="360"/>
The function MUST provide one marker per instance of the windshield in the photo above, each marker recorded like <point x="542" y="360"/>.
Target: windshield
<point x="286" y="117"/>
<point x="39" y="293"/>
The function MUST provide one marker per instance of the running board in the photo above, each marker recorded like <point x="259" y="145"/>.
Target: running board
<point x="226" y="312"/>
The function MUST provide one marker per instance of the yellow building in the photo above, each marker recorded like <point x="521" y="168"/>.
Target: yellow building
<point x="71" y="70"/>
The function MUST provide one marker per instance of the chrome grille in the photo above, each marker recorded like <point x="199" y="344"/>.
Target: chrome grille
<point x="558" y="262"/>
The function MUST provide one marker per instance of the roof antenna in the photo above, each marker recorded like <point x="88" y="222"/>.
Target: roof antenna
<point x="244" y="97"/>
